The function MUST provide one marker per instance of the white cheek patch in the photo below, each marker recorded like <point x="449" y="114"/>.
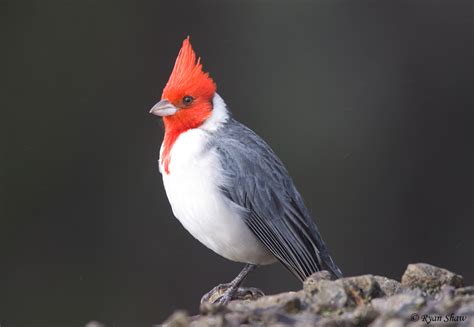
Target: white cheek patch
<point x="219" y="114"/>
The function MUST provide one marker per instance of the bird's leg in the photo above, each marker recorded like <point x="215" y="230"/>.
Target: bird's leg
<point x="224" y="293"/>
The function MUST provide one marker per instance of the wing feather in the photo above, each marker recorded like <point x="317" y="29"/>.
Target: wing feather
<point x="256" y="180"/>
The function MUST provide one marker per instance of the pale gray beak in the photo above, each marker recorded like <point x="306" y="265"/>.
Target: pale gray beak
<point x="163" y="108"/>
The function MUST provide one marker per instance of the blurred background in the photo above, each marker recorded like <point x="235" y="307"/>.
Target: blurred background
<point x="369" y="104"/>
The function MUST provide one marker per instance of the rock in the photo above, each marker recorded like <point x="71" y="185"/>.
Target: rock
<point x="207" y="308"/>
<point x="94" y="323"/>
<point x="328" y="297"/>
<point x="360" y="316"/>
<point x="429" y="278"/>
<point x="361" y="289"/>
<point x="469" y="290"/>
<point x="388" y="286"/>
<point x="466" y="310"/>
<point x="425" y="292"/>
<point x="399" y="304"/>
<point x="215" y="321"/>
<point x="310" y="285"/>
<point x="384" y="321"/>
<point x="290" y="302"/>
<point x="178" y="319"/>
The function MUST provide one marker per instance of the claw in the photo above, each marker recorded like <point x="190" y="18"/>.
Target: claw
<point x="224" y="293"/>
<point x="217" y="292"/>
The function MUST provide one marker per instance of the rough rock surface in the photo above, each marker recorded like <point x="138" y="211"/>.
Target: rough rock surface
<point x="426" y="295"/>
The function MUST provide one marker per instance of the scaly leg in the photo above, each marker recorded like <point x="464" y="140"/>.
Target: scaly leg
<point x="224" y="293"/>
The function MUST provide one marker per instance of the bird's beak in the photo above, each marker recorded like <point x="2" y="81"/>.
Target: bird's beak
<point x="163" y="108"/>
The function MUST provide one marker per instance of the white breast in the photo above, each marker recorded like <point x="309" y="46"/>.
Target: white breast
<point x="192" y="190"/>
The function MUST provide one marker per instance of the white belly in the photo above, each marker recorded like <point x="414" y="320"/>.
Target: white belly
<point x="192" y="190"/>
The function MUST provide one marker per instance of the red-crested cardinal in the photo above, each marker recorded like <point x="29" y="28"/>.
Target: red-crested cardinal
<point x="227" y="187"/>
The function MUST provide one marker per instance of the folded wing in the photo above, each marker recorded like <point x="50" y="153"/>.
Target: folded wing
<point x="256" y="180"/>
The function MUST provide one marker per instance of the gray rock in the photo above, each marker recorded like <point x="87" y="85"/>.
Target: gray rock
<point x="467" y="310"/>
<point x="178" y="319"/>
<point x="291" y="302"/>
<point x="388" y="286"/>
<point x="429" y="278"/>
<point x="384" y="321"/>
<point x="352" y="301"/>
<point x="399" y="304"/>
<point x="329" y="297"/>
<point x="361" y="289"/>
<point x="465" y="291"/>
<point x="311" y="283"/>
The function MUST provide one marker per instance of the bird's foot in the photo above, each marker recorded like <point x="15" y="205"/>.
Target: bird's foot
<point x="224" y="293"/>
<point x="215" y="293"/>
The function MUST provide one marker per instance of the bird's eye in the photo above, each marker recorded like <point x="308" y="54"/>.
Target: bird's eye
<point x="187" y="100"/>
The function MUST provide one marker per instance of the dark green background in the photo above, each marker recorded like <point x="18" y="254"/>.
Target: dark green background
<point x="368" y="103"/>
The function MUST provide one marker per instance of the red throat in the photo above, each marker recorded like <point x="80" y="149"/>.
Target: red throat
<point x="174" y="126"/>
<point x="187" y="79"/>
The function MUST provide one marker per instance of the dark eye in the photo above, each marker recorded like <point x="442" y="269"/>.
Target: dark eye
<point x="187" y="100"/>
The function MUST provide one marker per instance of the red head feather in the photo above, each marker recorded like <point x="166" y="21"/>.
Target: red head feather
<point x="187" y="79"/>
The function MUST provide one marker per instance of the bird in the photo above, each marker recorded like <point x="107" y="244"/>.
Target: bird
<point x="226" y="185"/>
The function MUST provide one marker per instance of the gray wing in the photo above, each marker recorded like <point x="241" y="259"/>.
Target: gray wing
<point x="276" y="214"/>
